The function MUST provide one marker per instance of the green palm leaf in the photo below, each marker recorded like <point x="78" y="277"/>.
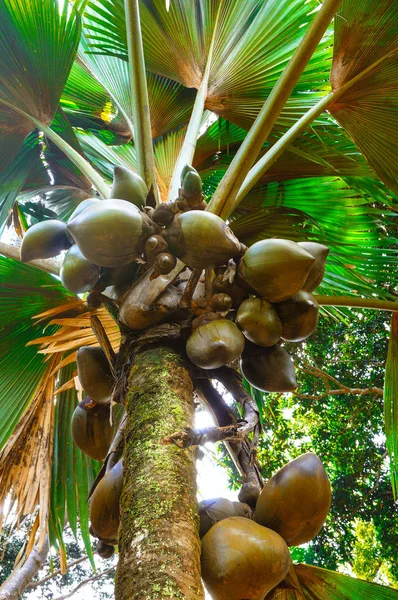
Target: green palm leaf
<point x="38" y="43"/>
<point x="24" y="293"/>
<point x="362" y="256"/>
<point x="73" y="473"/>
<point x="313" y="583"/>
<point x="364" y="34"/>
<point x="391" y="402"/>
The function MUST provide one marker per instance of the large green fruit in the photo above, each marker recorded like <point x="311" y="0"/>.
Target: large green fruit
<point x="129" y="186"/>
<point x="217" y="509"/>
<point x="94" y="373"/>
<point x="259" y="322"/>
<point x="299" y="316"/>
<point x="215" y="344"/>
<point x="296" y="500"/>
<point x="242" y="560"/>
<point x="315" y="276"/>
<point x="91" y="428"/>
<point x="109" y="232"/>
<point x="44" y="240"/>
<point x="78" y="275"/>
<point x="275" y="269"/>
<point x="268" y="369"/>
<point x="201" y="239"/>
<point x="82" y="206"/>
<point x="104" y="505"/>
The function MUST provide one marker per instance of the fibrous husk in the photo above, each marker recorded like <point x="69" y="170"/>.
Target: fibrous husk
<point x="268" y="369"/>
<point x="299" y="316"/>
<point x="315" y="276"/>
<point x="275" y="269"/>
<point x="109" y="233"/>
<point x="201" y="239"/>
<point x="296" y="500"/>
<point x="215" y="510"/>
<point x="78" y="275"/>
<point x="259" y="322"/>
<point x="129" y="186"/>
<point x="44" y="240"/>
<point x="149" y="302"/>
<point x="91" y="428"/>
<point x="94" y="373"/>
<point x="214" y="344"/>
<point x="242" y="560"/>
<point x="104" y="505"/>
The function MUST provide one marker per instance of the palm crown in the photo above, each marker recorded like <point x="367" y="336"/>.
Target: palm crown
<point x="302" y="150"/>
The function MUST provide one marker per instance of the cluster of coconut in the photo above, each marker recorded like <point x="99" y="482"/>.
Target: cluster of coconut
<point x="251" y="302"/>
<point x="245" y="554"/>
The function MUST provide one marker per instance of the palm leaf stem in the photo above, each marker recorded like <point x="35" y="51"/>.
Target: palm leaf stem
<point x="47" y="265"/>
<point x="357" y="302"/>
<point x="191" y="137"/>
<point x="78" y="160"/>
<point x="240" y="166"/>
<point x="139" y="97"/>
<point x="266" y="161"/>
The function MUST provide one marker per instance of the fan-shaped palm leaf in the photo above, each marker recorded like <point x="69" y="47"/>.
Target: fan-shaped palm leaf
<point x="365" y="33"/>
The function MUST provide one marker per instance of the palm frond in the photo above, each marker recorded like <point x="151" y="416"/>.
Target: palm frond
<point x="391" y="402"/>
<point x="362" y="257"/>
<point x="313" y="583"/>
<point x="365" y="33"/>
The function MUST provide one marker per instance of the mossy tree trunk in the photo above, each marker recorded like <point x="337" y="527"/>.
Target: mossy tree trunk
<point x="158" y="536"/>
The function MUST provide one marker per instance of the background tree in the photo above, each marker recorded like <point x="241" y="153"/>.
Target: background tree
<point x="72" y="97"/>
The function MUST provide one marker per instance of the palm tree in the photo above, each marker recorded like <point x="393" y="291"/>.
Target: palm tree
<point x="287" y="109"/>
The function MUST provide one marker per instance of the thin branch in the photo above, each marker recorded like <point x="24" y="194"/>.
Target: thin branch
<point x="352" y="391"/>
<point x="139" y="97"/>
<point x="48" y="265"/>
<point x="370" y="492"/>
<point x="225" y="194"/>
<point x="199" y="437"/>
<point x="36" y="584"/>
<point x="85" y="582"/>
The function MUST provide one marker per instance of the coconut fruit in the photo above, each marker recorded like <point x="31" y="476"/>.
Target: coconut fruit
<point x="268" y="369"/>
<point x="91" y="429"/>
<point x="82" y="206"/>
<point x="78" y="275"/>
<point x="109" y="233"/>
<point x="44" y="240"/>
<point x="242" y="560"/>
<point x="94" y="373"/>
<point x="214" y="344"/>
<point x="201" y="240"/>
<point x="217" y="509"/>
<point x="299" y="316"/>
<point x="259" y="322"/>
<point x="129" y="186"/>
<point x="275" y="269"/>
<point x="105" y="551"/>
<point x="104" y="505"/>
<point x="315" y="276"/>
<point x="237" y="293"/>
<point x="296" y="500"/>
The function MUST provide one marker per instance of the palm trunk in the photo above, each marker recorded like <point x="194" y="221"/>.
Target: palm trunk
<point x="158" y="537"/>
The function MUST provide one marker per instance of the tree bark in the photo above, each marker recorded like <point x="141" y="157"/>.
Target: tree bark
<point x="158" y="537"/>
<point x="20" y="578"/>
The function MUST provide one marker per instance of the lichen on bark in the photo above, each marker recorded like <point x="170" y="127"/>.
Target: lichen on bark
<point x="158" y="537"/>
